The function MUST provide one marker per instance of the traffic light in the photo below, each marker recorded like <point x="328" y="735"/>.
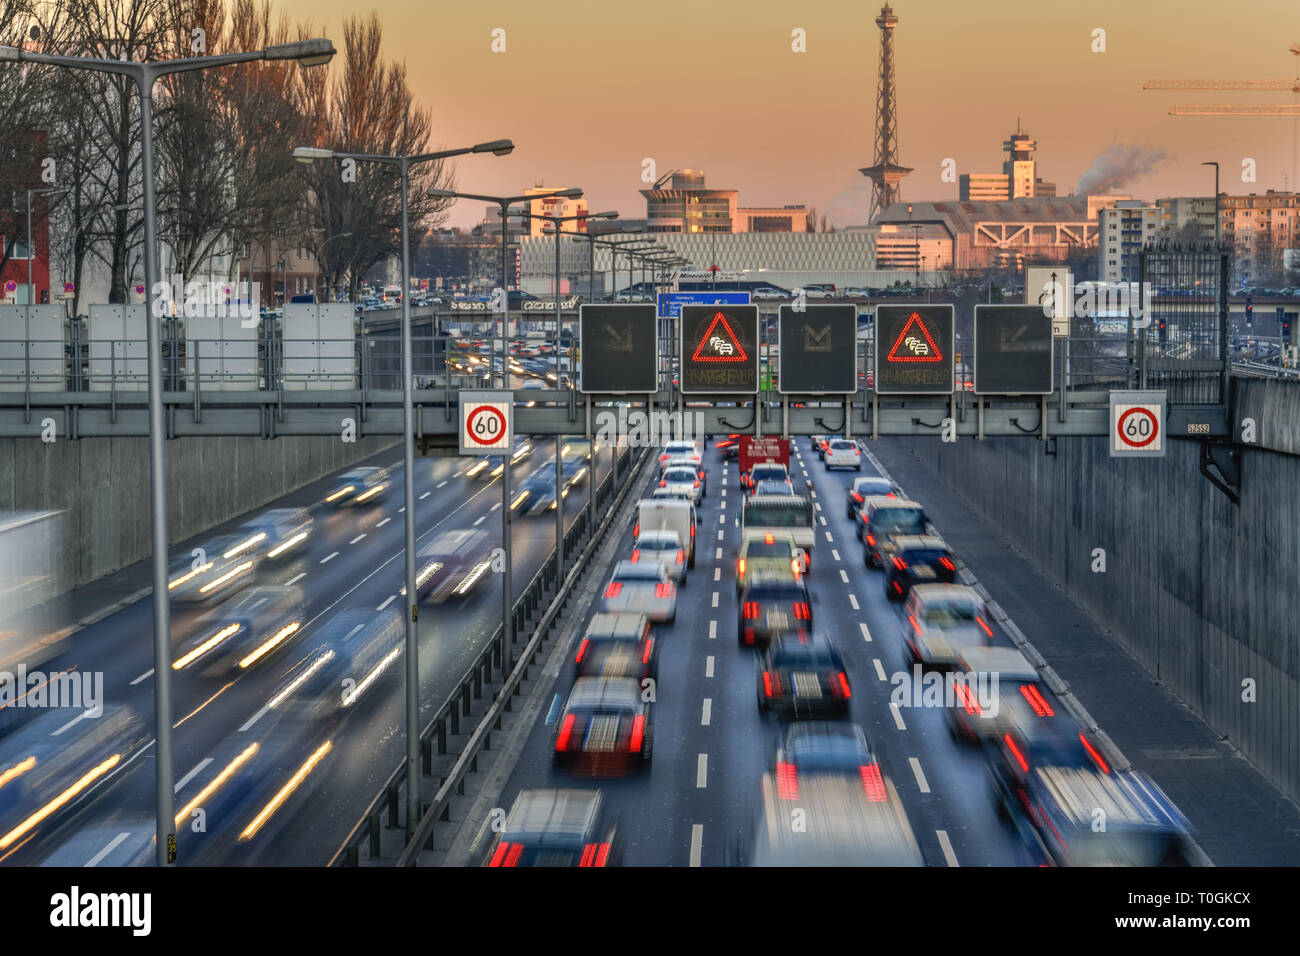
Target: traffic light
<point x="1160" y="327"/>
<point x="1249" y="312"/>
<point x="1286" y="331"/>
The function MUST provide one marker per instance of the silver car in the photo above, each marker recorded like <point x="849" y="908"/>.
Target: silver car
<point x="942" y="621"/>
<point x="214" y="570"/>
<point x="683" y="478"/>
<point x="641" y="588"/>
<point x="665" y="549"/>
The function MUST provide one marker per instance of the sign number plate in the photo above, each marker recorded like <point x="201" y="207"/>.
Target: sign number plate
<point x="486" y="422"/>
<point x="1137" y="423"/>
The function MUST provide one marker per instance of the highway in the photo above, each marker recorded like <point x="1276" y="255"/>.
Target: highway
<point x="711" y="743"/>
<point x="353" y="560"/>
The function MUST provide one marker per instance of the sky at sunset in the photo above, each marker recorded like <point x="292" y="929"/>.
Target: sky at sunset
<point x="588" y="89"/>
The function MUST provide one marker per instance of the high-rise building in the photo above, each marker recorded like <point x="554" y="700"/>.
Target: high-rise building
<point x="1124" y="229"/>
<point x="1018" y="179"/>
<point x="1260" y="229"/>
<point x="681" y="203"/>
<point x="1186" y="217"/>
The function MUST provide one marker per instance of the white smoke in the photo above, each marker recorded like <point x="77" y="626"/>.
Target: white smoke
<point x="1118" y="166"/>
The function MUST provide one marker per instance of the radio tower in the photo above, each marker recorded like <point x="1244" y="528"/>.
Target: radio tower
<point x="885" y="173"/>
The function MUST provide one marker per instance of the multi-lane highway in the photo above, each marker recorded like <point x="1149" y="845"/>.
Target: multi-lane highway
<point x="353" y="560"/>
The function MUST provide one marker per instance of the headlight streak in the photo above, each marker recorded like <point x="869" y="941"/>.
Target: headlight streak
<point x="270" y="645"/>
<point x="301" y="679"/>
<point x="17" y="770"/>
<point x="65" y="797"/>
<point x="188" y="576"/>
<point x="372" y="492"/>
<point x="373" y="676"/>
<point x="286" y="791"/>
<point x="280" y="549"/>
<point x="216" y="783"/>
<point x="188" y="659"/>
<point x="245" y="545"/>
<point x="340" y="493"/>
<point x="238" y="570"/>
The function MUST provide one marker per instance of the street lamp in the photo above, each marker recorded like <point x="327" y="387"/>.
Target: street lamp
<point x="1216" y="202"/>
<point x="320" y="260"/>
<point x="313" y="52"/>
<point x="308" y="155"/>
<point x="31" y="290"/>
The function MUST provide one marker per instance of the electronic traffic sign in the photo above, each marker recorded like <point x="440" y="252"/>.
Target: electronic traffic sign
<point x="818" y="346"/>
<point x="719" y="349"/>
<point x="914" y="350"/>
<point x="620" y="347"/>
<point x="1013" y="350"/>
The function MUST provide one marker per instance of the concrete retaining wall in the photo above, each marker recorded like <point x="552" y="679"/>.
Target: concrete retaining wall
<point x="103" y="486"/>
<point x="1203" y="592"/>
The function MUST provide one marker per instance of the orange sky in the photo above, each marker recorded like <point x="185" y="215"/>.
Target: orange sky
<point x="589" y="88"/>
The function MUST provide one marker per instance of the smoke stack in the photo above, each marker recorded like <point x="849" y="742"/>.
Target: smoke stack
<point x="1118" y="166"/>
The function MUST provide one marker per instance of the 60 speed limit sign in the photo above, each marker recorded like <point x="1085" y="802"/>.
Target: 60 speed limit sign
<point x="487" y="422"/>
<point x="1137" y="424"/>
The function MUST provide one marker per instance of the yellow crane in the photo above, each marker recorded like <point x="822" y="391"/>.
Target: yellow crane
<point x="1225" y="109"/>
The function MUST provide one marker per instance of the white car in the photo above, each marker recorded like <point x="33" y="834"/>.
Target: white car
<point x="843" y="453"/>
<point x="641" y="589"/>
<point x="684" y="478"/>
<point x="664" y="548"/>
<point x="763" y="294"/>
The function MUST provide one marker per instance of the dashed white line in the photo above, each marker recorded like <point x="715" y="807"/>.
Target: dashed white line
<point x="866" y="635"/>
<point x="481" y="519"/>
<point x="946" y="845"/>
<point x="697" y="842"/>
<point x="722" y="519"/>
<point x="717" y="574"/>
<point x="192" y="774"/>
<point x="330" y="558"/>
<point x="920" y="774"/>
<point x="708" y="712"/>
<point x="113" y="844"/>
<point x="290" y="583"/>
<point x="440" y="484"/>
<point x="708" y="666"/>
<point x="817" y="506"/>
<point x="80" y="717"/>
<point x="723" y="506"/>
<point x="713" y="630"/>
<point x="384" y="522"/>
<point x="880" y="668"/>
<point x="425" y="495"/>
<point x="898" y="716"/>
<point x="387" y="601"/>
<point x="835" y="554"/>
<point x="255" y="718"/>
<point x="495" y="506"/>
<point x="853" y="601"/>
<point x="828" y="536"/>
<point x="145" y="676"/>
<point x="357" y="538"/>
<point x="702" y="772"/>
<point x="401" y="510"/>
<point x="844" y="576"/>
<point x="717" y="554"/>
<point x="821" y="518"/>
<point x="715" y="598"/>
<point x="719" y="535"/>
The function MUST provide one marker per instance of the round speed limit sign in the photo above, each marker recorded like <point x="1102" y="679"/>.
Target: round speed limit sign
<point x="485" y="422"/>
<point x="486" y="425"/>
<point x="1137" y="425"/>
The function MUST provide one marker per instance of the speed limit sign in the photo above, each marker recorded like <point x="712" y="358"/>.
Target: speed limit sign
<point x="487" y="422"/>
<point x="1137" y="424"/>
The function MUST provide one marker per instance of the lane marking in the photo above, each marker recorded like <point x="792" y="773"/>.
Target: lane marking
<point x="357" y="538"/>
<point x="702" y="772"/>
<point x="866" y="635"/>
<point x="835" y="554"/>
<point x="946" y="845"/>
<point x="717" y="574"/>
<point x="387" y="601"/>
<point x="425" y="495"/>
<point x="723" y="506"/>
<point x="113" y="844"/>
<point x="440" y="484"/>
<point x="713" y="631"/>
<point x="880" y="668"/>
<point x="697" y="842"/>
<point x="145" y="676"/>
<point x="821" y="518"/>
<point x="75" y="720"/>
<point x="708" y="666"/>
<point x="708" y="712"/>
<point x="495" y="506"/>
<point x="255" y="718"/>
<point x="828" y="537"/>
<point x="722" y="519"/>
<point x="330" y="558"/>
<point x="481" y="519"/>
<point x="719" y="535"/>
<point x="717" y="554"/>
<point x="853" y="600"/>
<point x="817" y="506"/>
<point x="715" y="598"/>
<point x="384" y="522"/>
<point x="191" y="775"/>
<point x="292" y="581"/>
<point x="401" y="509"/>
<point x="844" y="576"/>
<point x="898" y="716"/>
<point x="920" y="775"/>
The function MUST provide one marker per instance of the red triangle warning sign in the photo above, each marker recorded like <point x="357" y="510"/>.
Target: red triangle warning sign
<point x="918" y="346"/>
<point x="719" y="348"/>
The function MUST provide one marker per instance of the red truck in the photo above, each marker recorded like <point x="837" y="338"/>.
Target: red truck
<point x="754" y="451"/>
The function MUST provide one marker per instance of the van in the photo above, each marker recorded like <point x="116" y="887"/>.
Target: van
<point x="669" y="514"/>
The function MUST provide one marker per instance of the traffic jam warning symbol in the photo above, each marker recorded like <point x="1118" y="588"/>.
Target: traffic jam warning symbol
<point x="486" y="422"/>
<point x="1137" y="424"/>
<point x="914" y="349"/>
<point x="719" y="346"/>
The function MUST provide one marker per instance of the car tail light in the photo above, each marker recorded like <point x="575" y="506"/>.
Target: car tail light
<point x="844" y="685"/>
<point x="645" y="655"/>
<point x="588" y="855"/>
<point x="681" y="556"/>
<point x="582" y="649"/>
<point x="566" y="731"/>
<point x="900" y="564"/>
<point x="787" y="781"/>
<point x="663" y="484"/>
<point x="980" y="621"/>
<point x="1092" y="752"/>
<point x="856" y="497"/>
<point x="916" y="627"/>
<point x="968" y="700"/>
<point x="638" y="732"/>
<point x="767" y="683"/>
<point x="871" y="540"/>
<point x="1015" y="752"/>
<point x="740" y="567"/>
<point x="947" y="563"/>
<point x="663" y="589"/>
<point x="662" y="459"/>
<point x="636" y="530"/>
<point x="697" y="483"/>
<point x="769" y="539"/>
<point x="507" y="854"/>
<point x="857" y="453"/>
<point x="749" y="635"/>
<point x="873" y="782"/>
<point x="1036" y="700"/>
<point x="614" y="588"/>
<point x="801" y="611"/>
<point x="692" y="531"/>
<point x="636" y="554"/>
<point x="751" y="610"/>
<point x="891" y="495"/>
<point x="602" y="854"/>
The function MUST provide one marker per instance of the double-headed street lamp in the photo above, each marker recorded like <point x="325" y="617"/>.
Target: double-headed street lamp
<point x="310" y="154"/>
<point x="314" y="52"/>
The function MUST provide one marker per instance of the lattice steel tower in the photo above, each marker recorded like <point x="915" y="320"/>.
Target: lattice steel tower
<point x="885" y="173"/>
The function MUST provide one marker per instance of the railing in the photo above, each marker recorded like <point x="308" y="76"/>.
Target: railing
<point x="544" y="590"/>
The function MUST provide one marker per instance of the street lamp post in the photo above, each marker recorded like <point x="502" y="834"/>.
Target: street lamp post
<point x="321" y="260"/>
<point x="1216" y="202"/>
<point x="313" y="52"/>
<point x="31" y="289"/>
<point x="306" y="154"/>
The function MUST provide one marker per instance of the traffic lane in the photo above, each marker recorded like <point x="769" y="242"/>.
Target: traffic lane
<point x="943" y="783"/>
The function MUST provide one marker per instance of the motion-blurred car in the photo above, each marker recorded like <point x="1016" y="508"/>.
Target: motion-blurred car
<point x="679" y="449"/>
<point x="803" y="676"/>
<point x="918" y="559"/>
<point x="842" y="453"/>
<point x="692" y="462"/>
<point x="863" y="488"/>
<point x="665" y="549"/>
<point x="728" y="447"/>
<point x="491" y="466"/>
<point x="764" y="471"/>
<point x="1015" y="698"/>
<point x="846" y="822"/>
<point x="943" y="620"/>
<point x="882" y="519"/>
<point x="452" y="565"/>
<point x="536" y="493"/>
<point x="683" y="478"/>
<point x="616" y="645"/>
<point x="556" y="828"/>
<point x="772" y="488"/>
<point x="772" y="604"/>
<point x="605" y="728"/>
<point x="252" y="629"/>
<point x="360" y="486"/>
<point x="641" y="588"/>
<point x="575" y="458"/>
<point x="278" y="533"/>
<point x="813" y="749"/>
<point x="770" y="553"/>
<point x="212" y="572"/>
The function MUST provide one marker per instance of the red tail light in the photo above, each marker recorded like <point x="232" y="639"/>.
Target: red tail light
<point x="507" y="854"/>
<point x="663" y="484"/>
<point x="582" y="649"/>
<point x="873" y="783"/>
<point x="740" y="567"/>
<point x="802" y="612"/>
<point x="900" y="564"/>
<point x="636" y="530"/>
<point x="751" y="610"/>
<point x="767" y="683"/>
<point x="844" y="685"/>
<point x="1015" y="752"/>
<point x="947" y="563"/>
<point x="697" y="483"/>
<point x="588" y="855"/>
<point x="749" y="635"/>
<point x="662" y="459"/>
<point x="1036" y="700"/>
<point x="636" y="554"/>
<point x="638" y="732"/>
<point x="787" y="781"/>
<point x="980" y="621"/>
<point x="871" y="540"/>
<point x="856" y="497"/>
<point x="614" y="588"/>
<point x="769" y="539"/>
<point x="692" y="531"/>
<point x="663" y="589"/>
<point x="602" y="855"/>
<point x="892" y="495"/>
<point x="912" y="620"/>
<point x="1092" y="752"/>
<point x="566" y="731"/>
<point x="649" y="646"/>
<point x="681" y="555"/>
<point x="968" y="700"/>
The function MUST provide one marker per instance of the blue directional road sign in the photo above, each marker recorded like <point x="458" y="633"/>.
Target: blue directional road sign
<point x="670" y="303"/>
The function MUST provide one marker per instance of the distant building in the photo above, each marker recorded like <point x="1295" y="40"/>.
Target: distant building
<point x="1018" y="179"/>
<point x="1125" y="228"/>
<point x="682" y="203"/>
<point x="1186" y="217"/>
<point x="20" y="170"/>
<point x="1259" y="230"/>
<point x="554" y="206"/>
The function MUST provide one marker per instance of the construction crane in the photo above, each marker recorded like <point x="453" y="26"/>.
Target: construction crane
<point x="1277" y="86"/>
<point x="1224" y="109"/>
